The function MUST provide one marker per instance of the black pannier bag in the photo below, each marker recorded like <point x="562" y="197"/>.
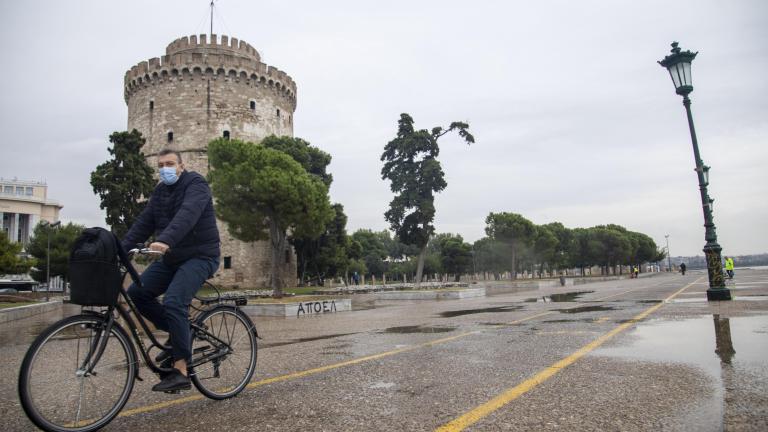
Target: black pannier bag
<point x="94" y="270"/>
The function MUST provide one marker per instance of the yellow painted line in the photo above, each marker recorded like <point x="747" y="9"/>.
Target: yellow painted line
<point x="471" y="417"/>
<point x="170" y="403"/>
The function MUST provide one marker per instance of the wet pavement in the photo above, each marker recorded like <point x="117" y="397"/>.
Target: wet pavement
<point x="631" y="355"/>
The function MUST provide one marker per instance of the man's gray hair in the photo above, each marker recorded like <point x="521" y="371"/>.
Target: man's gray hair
<point x="168" y="151"/>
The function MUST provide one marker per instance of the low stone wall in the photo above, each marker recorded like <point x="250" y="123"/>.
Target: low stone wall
<point x="19" y="312"/>
<point x="431" y="294"/>
<point x="299" y="308"/>
<point x="505" y="286"/>
<point x="365" y="289"/>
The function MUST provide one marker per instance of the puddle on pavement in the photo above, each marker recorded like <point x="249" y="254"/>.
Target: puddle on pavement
<point x="556" y="298"/>
<point x="649" y="301"/>
<point x="301" y="340"/>
<point x="585" y="309"/>
<point x="418" y="329"/>
<point x="450" y="314"/>
<point x="586" y="320"/>
<point x="711" y="343"/>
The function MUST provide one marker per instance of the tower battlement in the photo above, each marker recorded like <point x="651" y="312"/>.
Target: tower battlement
<point x="225" y="43"/>
<point x="192" y="57"/>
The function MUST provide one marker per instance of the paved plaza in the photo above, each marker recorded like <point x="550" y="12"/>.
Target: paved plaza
<point x="644" y="354"/>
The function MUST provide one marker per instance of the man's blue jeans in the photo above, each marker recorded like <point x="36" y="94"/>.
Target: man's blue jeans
<point x="179" y="284"/>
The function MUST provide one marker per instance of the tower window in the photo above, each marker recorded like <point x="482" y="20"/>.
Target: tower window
<point x="170" y="137"/>
<point x="226" y="134"/>
<point x="287" y="256"/>
<point x="253" y="105"/>
<point x="278" y="113"/>
<point x="151" y="105"/>
<point x="227" y="262"/>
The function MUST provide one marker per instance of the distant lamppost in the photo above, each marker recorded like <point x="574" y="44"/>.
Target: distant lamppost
<point x="48" y="253"/>
<point x="669" y="256"/>
<point x="679" y="66"/>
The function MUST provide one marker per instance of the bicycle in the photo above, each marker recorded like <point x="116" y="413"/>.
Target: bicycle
<point x="79" y="373"/>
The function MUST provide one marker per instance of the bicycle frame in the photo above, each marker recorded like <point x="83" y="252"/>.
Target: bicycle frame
<point x="94" y="354"/>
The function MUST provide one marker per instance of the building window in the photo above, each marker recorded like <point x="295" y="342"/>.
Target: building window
<point x="20" y="190"/>
<point x="287" y="256"/>
<point x="170" y="137"/>
<point x="278" y="113"/>
<point x="151" y="105"/>
<point x="29" y="191"/>
<point x="226" y="134"/>
<point x="8" y="190"/>
<point x="227" y="262"/>
<point x="253" y="105"/>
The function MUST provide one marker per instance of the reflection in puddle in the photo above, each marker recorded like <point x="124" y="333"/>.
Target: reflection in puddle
<point x="586" y="309"/>
<point x="735" y="298"/>
<point x="418" y="329"/>
<point x="561" y="297"/>
<point x="450" y="314"/>
<point x="711" y="343"/>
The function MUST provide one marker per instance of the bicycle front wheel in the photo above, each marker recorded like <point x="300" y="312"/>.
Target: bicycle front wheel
<point x="227" y="375"/>
<point x="68" y="384"/>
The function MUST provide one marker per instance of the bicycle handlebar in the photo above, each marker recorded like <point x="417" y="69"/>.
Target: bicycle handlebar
<point x="143" y="251"/>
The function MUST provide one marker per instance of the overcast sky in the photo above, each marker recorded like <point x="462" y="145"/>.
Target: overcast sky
<point x="574" y="120"/>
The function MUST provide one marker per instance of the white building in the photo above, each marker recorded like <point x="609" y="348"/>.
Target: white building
<point x="23" y="204"/>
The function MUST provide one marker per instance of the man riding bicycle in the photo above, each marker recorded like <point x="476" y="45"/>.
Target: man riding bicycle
<point x="180" y="215"/>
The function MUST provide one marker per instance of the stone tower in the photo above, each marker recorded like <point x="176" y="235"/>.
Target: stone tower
<point x="205" y="88"/>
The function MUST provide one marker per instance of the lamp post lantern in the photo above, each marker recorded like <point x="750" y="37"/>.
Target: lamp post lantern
<point x="679" y="66"/>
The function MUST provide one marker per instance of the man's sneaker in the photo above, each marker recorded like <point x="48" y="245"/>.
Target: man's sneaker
<point x="174" y="382"/>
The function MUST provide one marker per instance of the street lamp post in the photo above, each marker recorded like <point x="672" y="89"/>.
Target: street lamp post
<point x="48" y="253"/>
<point x="669" y="256"/>
<point x="679" y="66"/>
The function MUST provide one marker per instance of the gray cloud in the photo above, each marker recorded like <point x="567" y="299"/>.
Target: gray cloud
<point x="575" y="121"/>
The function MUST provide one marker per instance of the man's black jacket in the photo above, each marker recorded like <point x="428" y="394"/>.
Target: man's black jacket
<point x="181" y="216"/>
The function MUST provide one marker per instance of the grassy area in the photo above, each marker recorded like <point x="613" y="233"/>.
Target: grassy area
<point x="301" y="290"/>
<point x="10" y="305"/>
<point x="206" y="291"/>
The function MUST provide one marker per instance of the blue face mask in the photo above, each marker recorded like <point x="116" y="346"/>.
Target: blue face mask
<point x="168" y="175"/>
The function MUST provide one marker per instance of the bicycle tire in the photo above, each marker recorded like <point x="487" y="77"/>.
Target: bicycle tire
<point x="50" y="376"/>
<point x="225" y="377"/>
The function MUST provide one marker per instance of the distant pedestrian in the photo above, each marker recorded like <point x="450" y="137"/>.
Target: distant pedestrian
<point x="682" y="268"/>
<point x="636" y="271"/>
<point x="356" y="278"/>
<point x="729" y="267"/>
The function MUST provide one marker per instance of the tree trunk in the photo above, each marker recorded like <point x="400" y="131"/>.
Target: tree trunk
<point x="514" y="263"/>
<point x="277" y="241"/>
<point x="420" y="265"/>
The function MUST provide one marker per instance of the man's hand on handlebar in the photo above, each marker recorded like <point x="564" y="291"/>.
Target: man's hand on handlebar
<point x="156" y="248"/>
<point x="159" y="247"/>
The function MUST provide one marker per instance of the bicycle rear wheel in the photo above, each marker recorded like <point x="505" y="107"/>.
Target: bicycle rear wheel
<point x="226" y="376"/>
<point x="60" y="392"/>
